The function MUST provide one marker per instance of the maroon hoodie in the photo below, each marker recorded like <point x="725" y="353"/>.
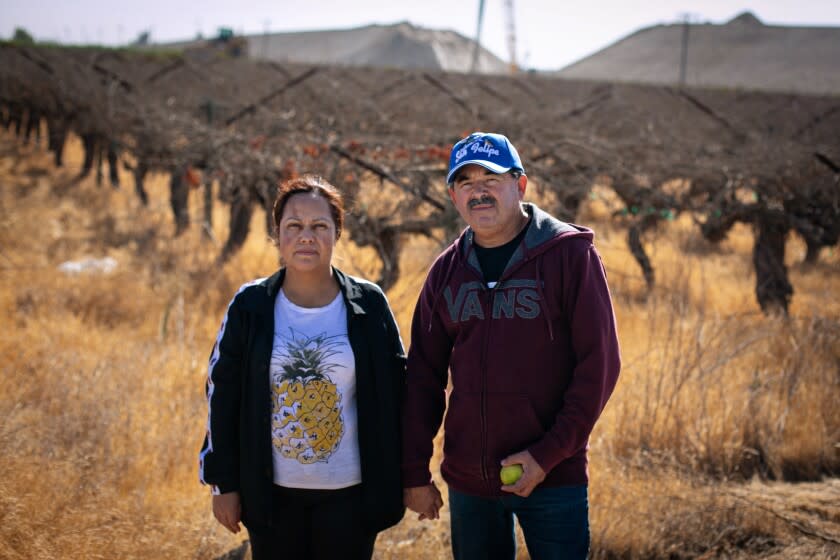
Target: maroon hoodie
<point x="533" y="360"/>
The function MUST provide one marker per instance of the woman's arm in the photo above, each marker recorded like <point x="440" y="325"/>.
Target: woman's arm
<point x="219" y="458"/>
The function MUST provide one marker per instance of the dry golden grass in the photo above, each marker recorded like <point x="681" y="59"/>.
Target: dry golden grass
<point x="102" y="408"/>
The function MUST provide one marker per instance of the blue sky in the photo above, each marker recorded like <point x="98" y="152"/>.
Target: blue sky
<point x="550" y="34"/>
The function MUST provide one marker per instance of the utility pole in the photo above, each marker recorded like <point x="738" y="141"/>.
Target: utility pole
<point x="684" y="52"/>
<point x="477" y="45"/>
<point x="511" y="35"/>
<point x="266" y="26"/>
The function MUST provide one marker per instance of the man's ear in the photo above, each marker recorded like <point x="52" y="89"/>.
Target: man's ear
<point x="522" y="184"/>
<point x="451" y="192"/>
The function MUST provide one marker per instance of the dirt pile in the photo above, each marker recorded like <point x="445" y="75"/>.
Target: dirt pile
<point x="400" y="45"/>
<point x="743" y="53"/>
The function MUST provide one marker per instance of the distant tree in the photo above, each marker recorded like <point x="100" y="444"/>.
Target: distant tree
<point x="22" y="36"/>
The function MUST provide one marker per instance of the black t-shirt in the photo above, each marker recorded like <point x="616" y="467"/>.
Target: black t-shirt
<point x="493" y="260"/>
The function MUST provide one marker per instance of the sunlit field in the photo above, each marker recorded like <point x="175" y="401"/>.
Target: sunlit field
<point x="722" y="438"/>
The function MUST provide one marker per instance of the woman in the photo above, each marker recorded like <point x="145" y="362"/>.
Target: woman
<point x="304" y="392"/>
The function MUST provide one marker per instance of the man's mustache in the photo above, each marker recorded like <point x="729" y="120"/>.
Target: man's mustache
<point x="483" y="199"/>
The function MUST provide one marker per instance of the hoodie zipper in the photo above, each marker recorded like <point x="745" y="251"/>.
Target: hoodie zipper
<point x="483" y="365"/>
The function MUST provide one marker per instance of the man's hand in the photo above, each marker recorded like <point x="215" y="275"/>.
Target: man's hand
<point x="228" y="510"/>
<point x="424" y="500"/>
<point x="532" y="474"/>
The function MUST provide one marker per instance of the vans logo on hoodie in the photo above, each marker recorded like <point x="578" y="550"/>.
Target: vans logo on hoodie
<point x="512" y="297"/>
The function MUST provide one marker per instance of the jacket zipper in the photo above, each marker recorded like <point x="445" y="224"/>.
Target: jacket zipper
<point x="488" y="296"/>
<point x="483" y="413"/>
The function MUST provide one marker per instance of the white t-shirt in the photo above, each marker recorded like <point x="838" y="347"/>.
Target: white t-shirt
<point x="314" y="431"/>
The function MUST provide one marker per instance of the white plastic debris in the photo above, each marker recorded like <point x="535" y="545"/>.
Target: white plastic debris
<point x="89" y="265"/>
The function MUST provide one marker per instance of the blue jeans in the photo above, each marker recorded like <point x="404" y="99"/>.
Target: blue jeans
<point x="555" y="522"/>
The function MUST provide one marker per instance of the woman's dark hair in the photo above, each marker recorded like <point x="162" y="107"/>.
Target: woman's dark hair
<point x="310" y="184"/>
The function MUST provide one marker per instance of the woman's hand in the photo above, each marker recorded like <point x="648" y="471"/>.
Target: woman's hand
<point x="424" y="500"/>
<point x="228" y="510"/>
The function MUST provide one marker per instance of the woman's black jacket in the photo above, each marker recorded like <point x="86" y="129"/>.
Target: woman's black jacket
<point x="237" y="450"/>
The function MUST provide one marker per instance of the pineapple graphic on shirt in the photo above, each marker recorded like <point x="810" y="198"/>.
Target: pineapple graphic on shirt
<point x="306" y="405"/>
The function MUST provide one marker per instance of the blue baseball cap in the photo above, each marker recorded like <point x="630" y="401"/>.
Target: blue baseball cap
<point x="489" y="150"/>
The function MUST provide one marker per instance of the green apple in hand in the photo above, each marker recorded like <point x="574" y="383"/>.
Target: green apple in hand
<point x="510" y="474"/>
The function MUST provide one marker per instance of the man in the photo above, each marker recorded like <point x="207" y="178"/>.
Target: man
<point x="518" y="310"/>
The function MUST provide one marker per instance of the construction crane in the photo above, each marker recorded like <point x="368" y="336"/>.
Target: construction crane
<point x="510" y="24"/>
